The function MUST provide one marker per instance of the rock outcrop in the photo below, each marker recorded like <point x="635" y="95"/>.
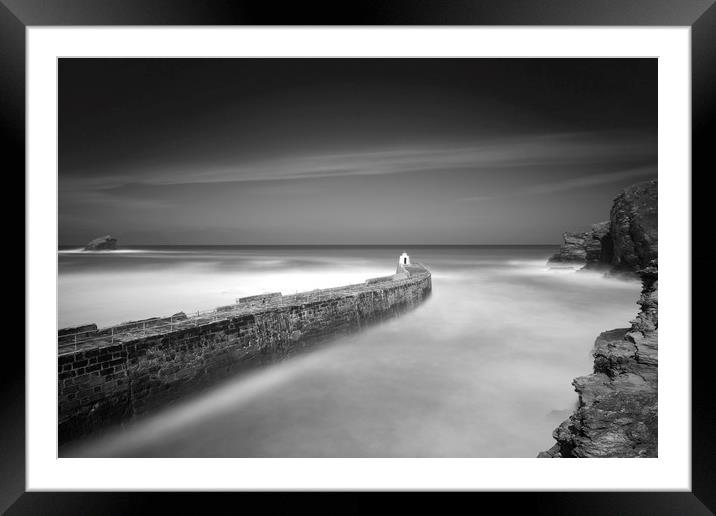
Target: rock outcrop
<point x="625" y="243"/>
<point x="573" y="248"/>
<point x="617" y="413"/>
<point x="105" y="243"/>
<point x="634" y="226"/>
<point x="589" y="247"/>
<point x="617" y="410"/>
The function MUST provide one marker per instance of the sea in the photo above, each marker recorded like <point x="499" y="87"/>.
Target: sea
<point x="482" y="368"/>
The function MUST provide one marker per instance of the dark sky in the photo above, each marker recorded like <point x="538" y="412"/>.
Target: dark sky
<point x="349" y="151"/>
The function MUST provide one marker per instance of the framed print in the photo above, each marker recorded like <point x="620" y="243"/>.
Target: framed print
<point x="417" y="250"/>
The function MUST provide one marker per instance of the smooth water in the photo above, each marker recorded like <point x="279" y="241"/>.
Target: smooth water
<point x="483" y="368"/>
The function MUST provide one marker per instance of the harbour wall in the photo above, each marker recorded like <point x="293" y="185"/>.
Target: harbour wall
<point x="113" y="374"/>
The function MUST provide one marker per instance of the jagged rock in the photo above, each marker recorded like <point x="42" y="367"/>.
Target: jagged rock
<point x="102" y="243"/>
<point x="599" y="247"/>
<point x="573" y="248"/>
<point x="628" y="241"/>
<point x="634" y="226"/>
<point x="647" y="318"/>
<point x="589" y="247"/>
<point x="617" y="415"/>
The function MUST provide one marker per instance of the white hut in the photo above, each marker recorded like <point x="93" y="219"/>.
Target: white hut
<point x="404" y="259"/>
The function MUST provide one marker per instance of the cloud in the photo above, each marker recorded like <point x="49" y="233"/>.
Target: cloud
<point x="571" y="184"/>
<point x="578" y="149"/>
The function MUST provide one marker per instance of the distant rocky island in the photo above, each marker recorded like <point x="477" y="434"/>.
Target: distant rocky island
<point x="617" y="412"/>
<point x="104" y="243"/>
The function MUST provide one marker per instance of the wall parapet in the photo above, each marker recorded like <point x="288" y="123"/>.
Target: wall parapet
<point x="115" y="373"/>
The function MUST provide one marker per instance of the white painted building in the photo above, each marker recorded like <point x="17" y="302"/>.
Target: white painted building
<point x="404" y="259"/>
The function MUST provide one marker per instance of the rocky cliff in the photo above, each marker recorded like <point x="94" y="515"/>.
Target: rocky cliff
<point x="626" y="242"/>
<point x="634" y="227"/>
<point x="617" y="409"/>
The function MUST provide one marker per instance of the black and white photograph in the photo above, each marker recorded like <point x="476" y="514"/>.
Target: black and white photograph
<point x="357" y="257"/>
<point x="275" y="250"/>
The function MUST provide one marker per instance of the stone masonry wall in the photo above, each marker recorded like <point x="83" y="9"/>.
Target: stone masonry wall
<point x="110" y="381"/>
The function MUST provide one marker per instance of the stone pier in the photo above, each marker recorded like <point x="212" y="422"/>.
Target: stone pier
<point x="111" y="374"/>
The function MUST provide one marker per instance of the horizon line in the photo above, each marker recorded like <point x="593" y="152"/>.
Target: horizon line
<point x="319" y="245"/>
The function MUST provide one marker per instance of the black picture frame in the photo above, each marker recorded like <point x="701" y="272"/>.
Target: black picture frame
<point x="700" y="15"/>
